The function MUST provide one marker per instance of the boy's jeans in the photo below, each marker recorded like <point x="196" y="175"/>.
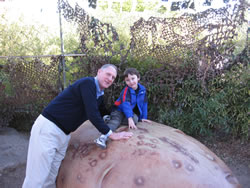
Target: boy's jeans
<point x="118" y="118"/>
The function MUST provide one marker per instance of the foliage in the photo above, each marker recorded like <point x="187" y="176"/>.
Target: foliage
<point x="127" y="6"/>
<point x="13" y="43"/>
<point x="103" y="5"/>
<point x="140" y="7"/>
<point x="241" y="39"/>
<point x="162" y="10"/>
<point x="116" y="7"/>
<point x="224" y="109"/>
<point x="236" y="88"/>
<point x="26" y="86"/>
<point x="19" y="39"/>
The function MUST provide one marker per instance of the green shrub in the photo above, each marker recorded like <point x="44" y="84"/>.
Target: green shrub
<point x="235" y="85"/>
<point x="225" y="108"/>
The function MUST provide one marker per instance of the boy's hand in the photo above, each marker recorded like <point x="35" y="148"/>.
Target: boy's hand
<point x="131" y="123"/>
<point x="120" y="136"/>
<point x="146" y="120"/>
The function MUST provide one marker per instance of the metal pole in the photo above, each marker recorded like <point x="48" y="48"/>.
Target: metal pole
<point x="62" y="48"/>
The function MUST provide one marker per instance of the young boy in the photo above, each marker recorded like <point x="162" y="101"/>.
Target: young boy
<point x="130" y="107"/>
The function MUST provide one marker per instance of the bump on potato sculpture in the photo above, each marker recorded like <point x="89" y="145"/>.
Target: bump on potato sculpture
<point x="157" y="156"/>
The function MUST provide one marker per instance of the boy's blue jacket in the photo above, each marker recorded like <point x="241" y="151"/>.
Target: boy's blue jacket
<point x="128" y="100"/>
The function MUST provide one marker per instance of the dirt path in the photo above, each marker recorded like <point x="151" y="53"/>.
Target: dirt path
<point x="236" y="154"/>
<point x="14" y="145"/>
<point x="13" y="153"/>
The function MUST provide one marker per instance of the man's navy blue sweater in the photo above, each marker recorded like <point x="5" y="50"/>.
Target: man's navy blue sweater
<point x="76" y="104"/>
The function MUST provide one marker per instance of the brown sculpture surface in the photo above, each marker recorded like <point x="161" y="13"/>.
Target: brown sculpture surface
<point x="157" y="156"/>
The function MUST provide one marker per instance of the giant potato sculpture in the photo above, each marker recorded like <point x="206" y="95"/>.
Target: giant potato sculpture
<point x="157" y="156"/>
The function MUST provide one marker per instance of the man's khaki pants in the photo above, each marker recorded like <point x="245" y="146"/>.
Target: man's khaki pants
<point x="47" y="148"/>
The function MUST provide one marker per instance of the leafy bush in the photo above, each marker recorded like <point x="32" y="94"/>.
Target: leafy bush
<point x="224" y="109"/>
<point x="235" y="85"/>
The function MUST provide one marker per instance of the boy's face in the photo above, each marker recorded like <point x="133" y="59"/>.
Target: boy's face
<point x="132" y="81"/>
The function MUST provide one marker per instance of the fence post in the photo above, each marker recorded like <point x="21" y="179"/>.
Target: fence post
<point x="62" y="48"/>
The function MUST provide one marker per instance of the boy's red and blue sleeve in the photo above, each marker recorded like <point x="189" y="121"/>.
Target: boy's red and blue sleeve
<point x="124" y="103"/>
<point x="122" y="97"/>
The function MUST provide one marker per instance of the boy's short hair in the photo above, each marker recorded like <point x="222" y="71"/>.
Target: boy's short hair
<point x="131" y="71"/>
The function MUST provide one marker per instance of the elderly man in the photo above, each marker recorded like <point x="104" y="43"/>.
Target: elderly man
<point x="50" y="134"/>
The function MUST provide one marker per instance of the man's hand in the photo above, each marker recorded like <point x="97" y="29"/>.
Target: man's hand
<point x="120" y="136"/>
<point x="131" y="123"/>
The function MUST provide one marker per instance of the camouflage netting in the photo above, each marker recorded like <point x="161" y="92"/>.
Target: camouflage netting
<point x="193" y="44"/>
<point x="27" y="85"/>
